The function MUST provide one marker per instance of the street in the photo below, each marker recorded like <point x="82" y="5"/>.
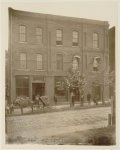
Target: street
<point x="49" y="124"/>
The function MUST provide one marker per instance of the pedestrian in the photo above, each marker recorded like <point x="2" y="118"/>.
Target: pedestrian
<point x="72" y="98"/>
<point x="88" y="98"/>
<point x="55" y="99"/>
<point x="37" y="99"/>
<point x="82" y="98"/>
<point x="95" y="100"/>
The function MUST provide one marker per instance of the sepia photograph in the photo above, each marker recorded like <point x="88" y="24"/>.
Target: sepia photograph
<point x="59" y="72"/>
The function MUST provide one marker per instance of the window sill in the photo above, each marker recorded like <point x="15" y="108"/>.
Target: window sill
<point x="23" y="42"/>
<point x="37" y="43"/>
<point x="23" y="69"/>
<point x="59" y="45"/>
<point x="75" y="46"/>
<point x="39" y="70"/>
<point x="59" y="70"/>
<point x="96" y="48"/>
<point x="97" y="72"/>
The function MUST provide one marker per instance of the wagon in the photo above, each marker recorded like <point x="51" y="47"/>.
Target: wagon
<point x="25" y="102"/>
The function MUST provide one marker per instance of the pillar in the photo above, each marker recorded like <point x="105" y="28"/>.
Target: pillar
<point x="49" y="88"/>
<point x="30" y="87"/>
<point x="13" y="89"/>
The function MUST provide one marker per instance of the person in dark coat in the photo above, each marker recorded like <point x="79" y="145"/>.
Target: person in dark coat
<point x="82" y="98"/>
<point x="55" y="99"/>
<point x="88" y="98"/>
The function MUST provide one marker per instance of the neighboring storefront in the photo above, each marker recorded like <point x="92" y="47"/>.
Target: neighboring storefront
<point x="60" y="89"/>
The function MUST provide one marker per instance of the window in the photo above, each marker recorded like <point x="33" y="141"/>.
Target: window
<point x="75" y="38"/>
<point x="96" y="61"/>
<point x="39" y="35"/>
<point x="59" y="62"/>
<point x="75" y="62"/>
<point x="39" y="61"/>
<point x="22" y="86"/>
<point x="59" y="37"/>
<point x="23" y="61"/>
<point x="60" y="89"/>
<point x="95" y="40"/>
<point x="22" y="33"/>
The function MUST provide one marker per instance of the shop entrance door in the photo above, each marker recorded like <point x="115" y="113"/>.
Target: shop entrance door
<point x="97" y="90"/>
<point x="38" y="88"/>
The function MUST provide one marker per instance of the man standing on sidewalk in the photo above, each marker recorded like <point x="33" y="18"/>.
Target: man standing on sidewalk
<point x="82" y="97"/>
<point x="88" y="98"/>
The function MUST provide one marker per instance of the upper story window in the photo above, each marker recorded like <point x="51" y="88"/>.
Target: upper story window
<point x="23" y="63"/>
<point x="95" y="40"/>
<point x="75" y="38"/>
<point x="59" y="37"/>
<point x="96" y="62"/>
<point x="22" y="31"/>
<point x="75" y="62"/>
<point x="39" y="62"/>
<point x="59" y="61"/>
<point x="39" y="35"/>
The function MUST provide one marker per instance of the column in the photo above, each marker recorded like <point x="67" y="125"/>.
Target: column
<point x="30" y="87"/>
<point x="49" y="88"/>
<point x="13" y="89"/>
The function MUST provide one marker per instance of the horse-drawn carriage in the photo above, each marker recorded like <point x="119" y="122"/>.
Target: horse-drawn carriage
<point x="23" y="102"/>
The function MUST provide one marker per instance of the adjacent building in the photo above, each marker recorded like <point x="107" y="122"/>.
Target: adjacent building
<point x="112" y="48"/>
<point x="42" y="48"/>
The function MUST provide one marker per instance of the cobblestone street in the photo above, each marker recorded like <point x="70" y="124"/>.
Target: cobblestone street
<point x="49" y="124"/>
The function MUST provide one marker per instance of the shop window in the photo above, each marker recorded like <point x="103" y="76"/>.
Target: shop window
<point x="95" y="40"/>
<point x="59" y="60"/>
<point x="39" y="35"/>
<point x="22" y="86"/>
<point x="60" y="89"/>
<point x="59" y="37"/>
<point x="75" y="38"/>
<point x="23" y="61"/>
<point x="22" y="31"/>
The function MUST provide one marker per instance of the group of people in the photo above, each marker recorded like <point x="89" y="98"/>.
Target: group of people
<point x="89" y="97"/>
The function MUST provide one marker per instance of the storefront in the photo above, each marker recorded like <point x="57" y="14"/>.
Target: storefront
<point x="60" y="89"/>
<point x="22" y="86"/>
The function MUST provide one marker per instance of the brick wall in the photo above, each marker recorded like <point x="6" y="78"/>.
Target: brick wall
<point x="48" y="48"/>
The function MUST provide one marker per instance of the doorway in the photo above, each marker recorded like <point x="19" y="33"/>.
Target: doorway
<point x="97" y="92"/>
<point x="38" y="88"/>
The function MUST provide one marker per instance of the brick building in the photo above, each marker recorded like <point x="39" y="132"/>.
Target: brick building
<point x="112" y="54"/>
<point x="42" y="48"/>
<point x="112" y="48"/>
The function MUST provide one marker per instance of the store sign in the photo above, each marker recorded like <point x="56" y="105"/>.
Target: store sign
<point x="38" y="78"/>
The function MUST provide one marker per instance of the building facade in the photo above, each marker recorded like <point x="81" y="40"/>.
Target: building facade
<point x="112" y="55"/>
<point x="42" y="48"/>
<point x="112" y="48"/>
